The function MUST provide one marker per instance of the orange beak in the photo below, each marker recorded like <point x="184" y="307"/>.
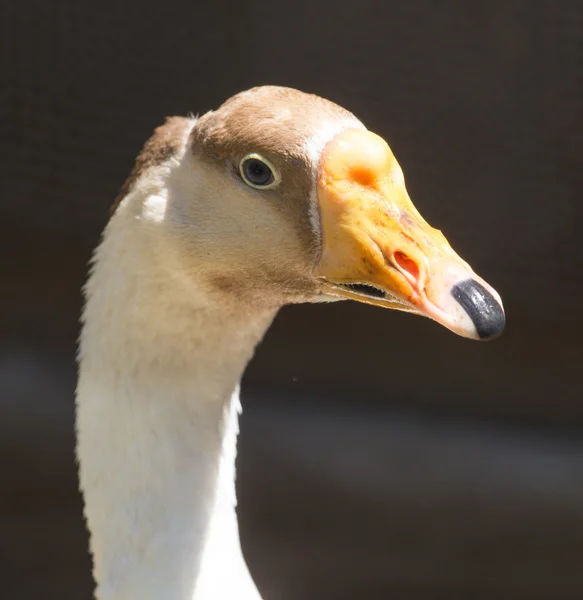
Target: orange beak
<point x="376" y="247"/>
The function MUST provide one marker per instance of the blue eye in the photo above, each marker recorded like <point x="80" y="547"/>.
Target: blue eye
<point x="258" y="172"/>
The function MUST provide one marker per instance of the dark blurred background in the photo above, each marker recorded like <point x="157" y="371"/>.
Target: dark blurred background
<point x="381" y="456"/>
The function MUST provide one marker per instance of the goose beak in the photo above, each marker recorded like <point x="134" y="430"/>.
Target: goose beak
<point x="377" y="249"/>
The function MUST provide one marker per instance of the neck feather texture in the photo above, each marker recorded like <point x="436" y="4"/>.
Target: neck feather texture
<point x="157" y="404"/>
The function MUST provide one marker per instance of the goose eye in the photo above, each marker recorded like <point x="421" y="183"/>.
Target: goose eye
<point x="258" y="172"/>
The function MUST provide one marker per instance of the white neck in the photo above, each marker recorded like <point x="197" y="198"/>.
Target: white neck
<point x="157" y="405"/>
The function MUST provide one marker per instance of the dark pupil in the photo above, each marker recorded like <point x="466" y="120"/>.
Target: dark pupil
<point x="257" y="172"/>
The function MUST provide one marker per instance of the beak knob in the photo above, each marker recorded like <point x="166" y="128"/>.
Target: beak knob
<point x="483" y="309"/>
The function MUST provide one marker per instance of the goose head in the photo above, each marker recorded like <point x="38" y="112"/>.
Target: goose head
<point x="284" y="197"/>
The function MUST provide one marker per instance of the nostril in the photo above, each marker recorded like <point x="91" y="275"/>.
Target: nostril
<point x="407" y="264"/>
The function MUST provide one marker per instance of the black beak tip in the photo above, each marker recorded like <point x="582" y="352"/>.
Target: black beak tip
<point x="483" y="309"/>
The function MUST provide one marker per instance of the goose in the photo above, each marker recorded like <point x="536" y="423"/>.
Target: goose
<point x="277" y="197"/>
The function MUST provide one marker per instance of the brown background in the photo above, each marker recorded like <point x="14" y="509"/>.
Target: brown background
<point x="381" y="456"/>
